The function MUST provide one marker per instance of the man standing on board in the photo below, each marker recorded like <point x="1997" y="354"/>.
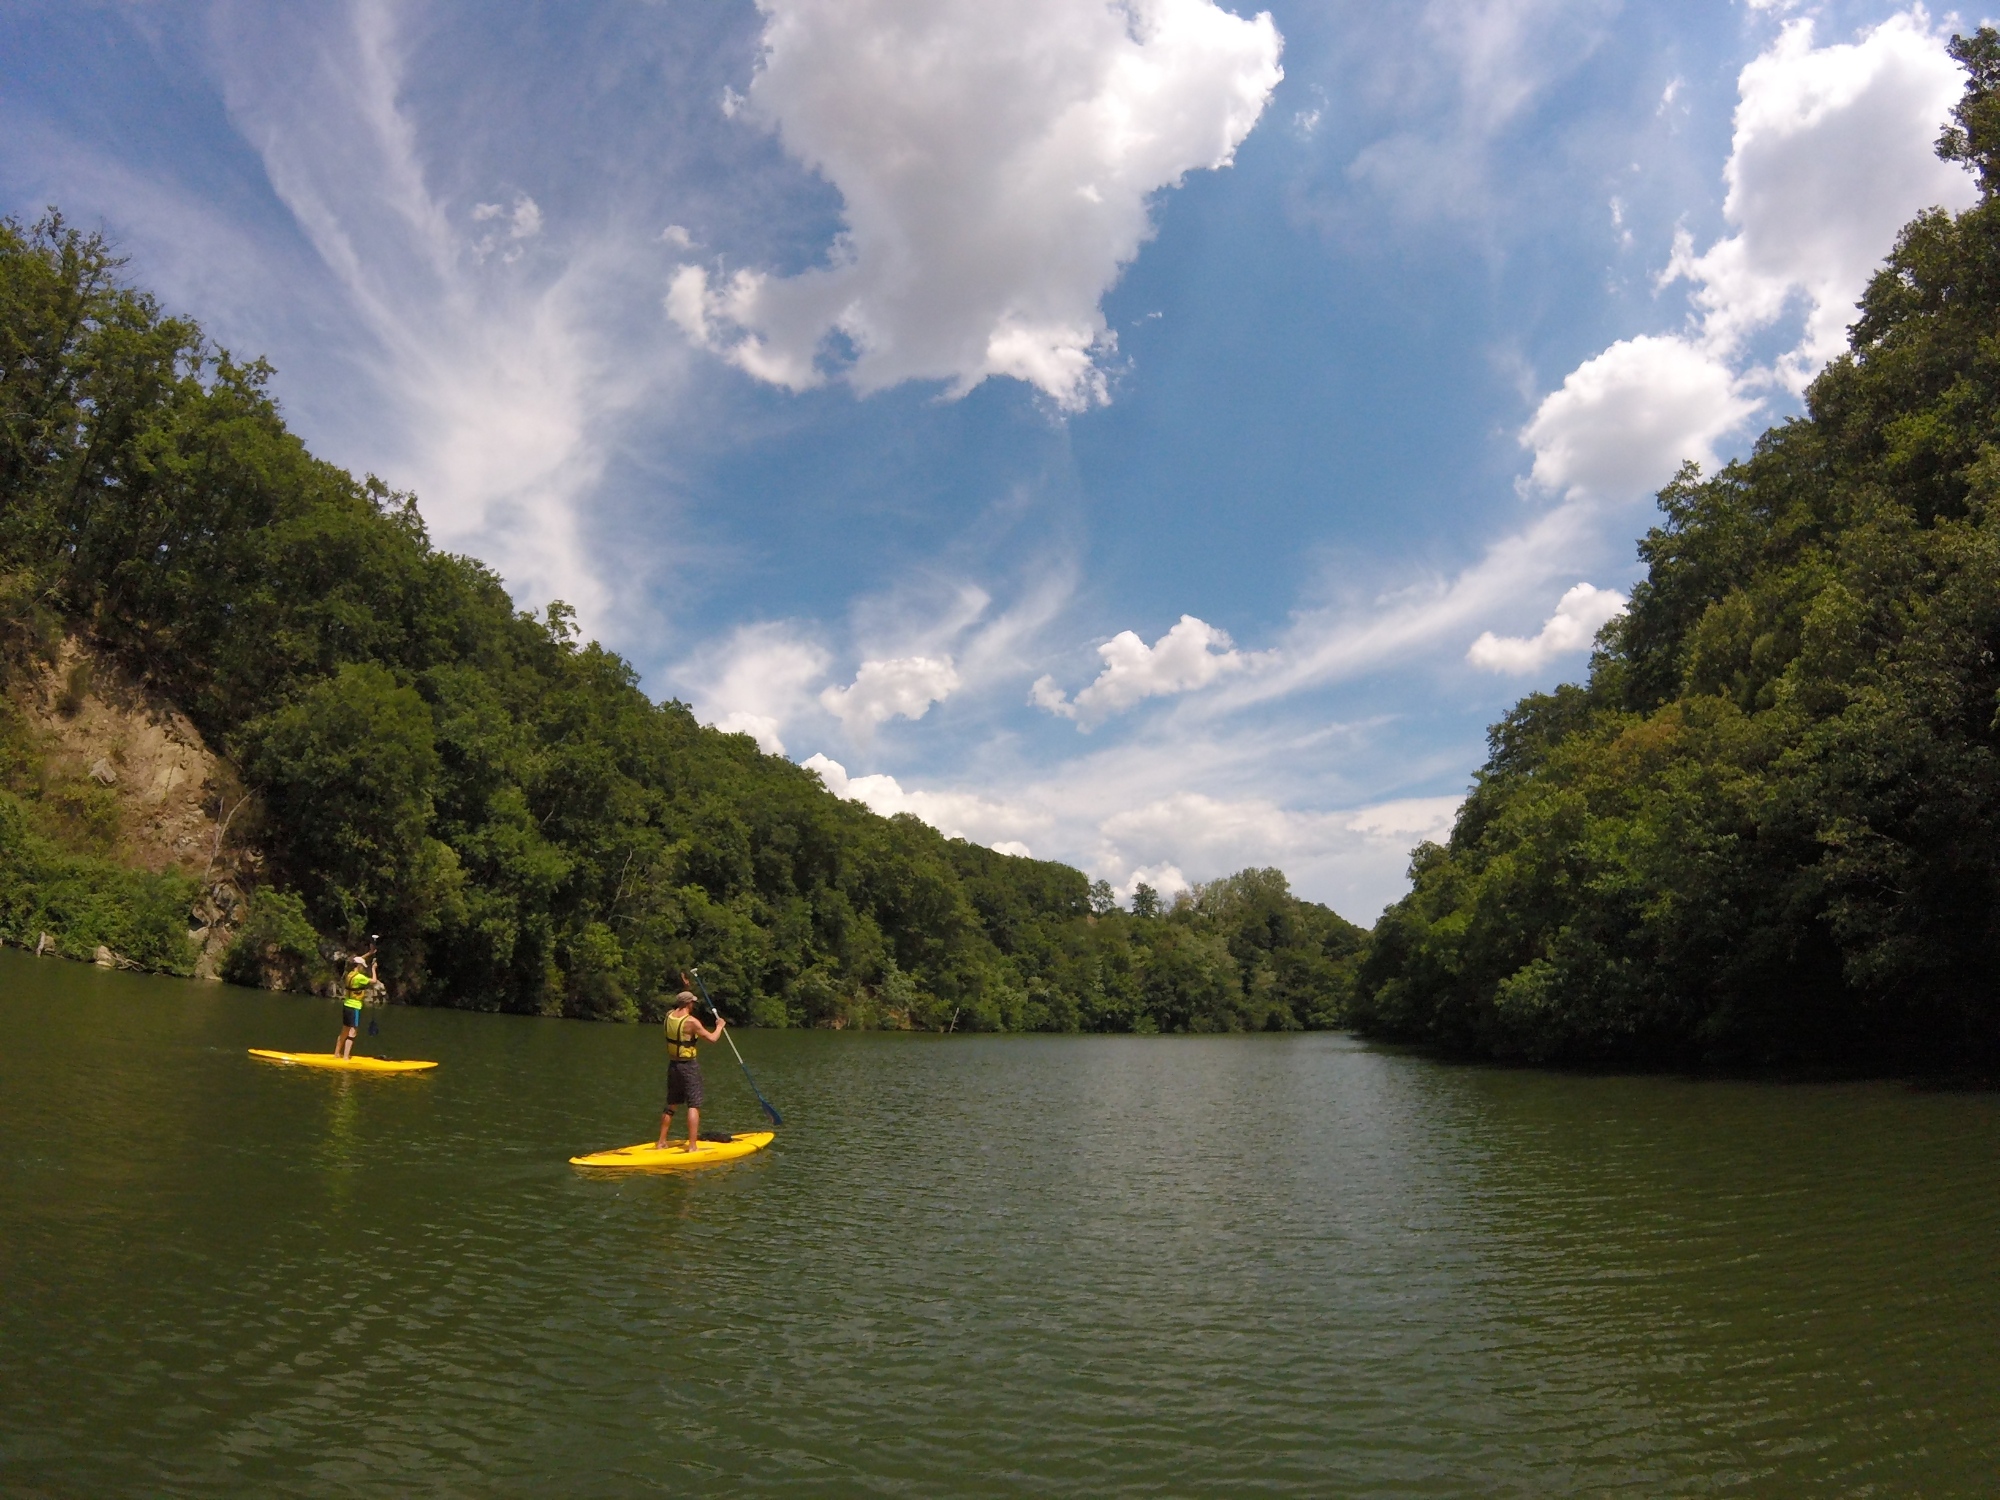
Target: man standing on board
<point x="683" y="1071"/>
<point x="360" y="979"/>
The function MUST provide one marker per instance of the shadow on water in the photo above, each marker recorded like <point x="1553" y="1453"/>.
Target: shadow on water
<point x="969" y="1266"/>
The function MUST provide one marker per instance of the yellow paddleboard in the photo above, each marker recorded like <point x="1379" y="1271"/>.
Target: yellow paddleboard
<point x="345" y="1064"/>
<point x="677" y="1158"/>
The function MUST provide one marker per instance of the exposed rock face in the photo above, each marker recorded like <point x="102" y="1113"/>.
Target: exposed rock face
<point x="176" y="798"/>
<point x="173" y="791"/>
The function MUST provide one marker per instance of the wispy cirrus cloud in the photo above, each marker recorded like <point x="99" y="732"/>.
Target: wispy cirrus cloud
<point x="498" y="348"/>
<point x="1477" y="69"/>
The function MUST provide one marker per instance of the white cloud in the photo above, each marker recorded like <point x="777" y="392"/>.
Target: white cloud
<point x="996" y="164"/>
<point x="1509" y="51"/>
<point x="1832" y="155"/>
<point x="1406" y="822"/>
<point x="1579" y="615"/>
<point x="760" y="680"/>
<point x="1624" y="420"/>
<point x="1183" y="807"/>
<point x="1167" y="880"/>
<point x="903" y="687"/>
<point x="1358" y="636"/>
<point x="522" y="222"/>
<point x="1191" y="655"/>
<point x="499" y="383"/>
<point x="1221" y="835"/>
<point x="1480" y="65"/>
<point x="955" y="814"/>
<point x="924" y="640"/>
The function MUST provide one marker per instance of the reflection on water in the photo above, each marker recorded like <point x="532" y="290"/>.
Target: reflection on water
<point x="969" y="1266"/>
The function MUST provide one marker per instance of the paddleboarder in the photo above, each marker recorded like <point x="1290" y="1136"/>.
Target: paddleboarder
<point x="683" y="1070"/>
<point x="360" y="979"/>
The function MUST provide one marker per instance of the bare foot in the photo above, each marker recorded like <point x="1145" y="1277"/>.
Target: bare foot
<point x="692" y="1146"/>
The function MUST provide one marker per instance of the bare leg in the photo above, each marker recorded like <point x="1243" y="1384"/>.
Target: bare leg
<point x="345" y="1046"/>
<point x="666" y="1124"/>
<point x="694" y="1127"/>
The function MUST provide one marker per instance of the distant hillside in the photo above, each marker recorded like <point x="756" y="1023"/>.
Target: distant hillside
<point x="1768" y="827"/>
<point x="495" y="797"/>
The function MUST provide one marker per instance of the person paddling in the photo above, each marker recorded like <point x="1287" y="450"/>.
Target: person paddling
<point x="360" y="978"/>
<point x="683" y="1071"/>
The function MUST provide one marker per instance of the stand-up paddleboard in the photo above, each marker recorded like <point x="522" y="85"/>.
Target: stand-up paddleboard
<point x="677" y="1158"/>
<point x="345" y="1064"/>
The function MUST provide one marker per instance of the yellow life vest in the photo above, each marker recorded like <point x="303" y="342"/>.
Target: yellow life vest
<point x="357" y="985"/>
<point x="681" y="1037"/>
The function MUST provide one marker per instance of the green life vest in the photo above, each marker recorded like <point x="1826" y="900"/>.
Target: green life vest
<point x="681" y="1037"/>
<point x="357" y="986"/>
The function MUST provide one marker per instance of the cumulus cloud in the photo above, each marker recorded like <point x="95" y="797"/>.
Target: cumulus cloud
<point x="760" y="679"/>
<point x="1625" y="419"/>
<point x="1191" y="655"/>
<point x="955" y="814"/>
<point x="904" y="687"/>
<point x="1579" y="615"/>
<point x="1832" y="154"/>
<point x="996" y="164"/>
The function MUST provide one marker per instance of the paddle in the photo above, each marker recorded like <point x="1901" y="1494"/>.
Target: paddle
<point x="769" y="1108"/>
<point x="374" y="1028"/>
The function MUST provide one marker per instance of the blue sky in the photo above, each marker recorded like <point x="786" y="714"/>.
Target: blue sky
<point x="1156" y="436"/>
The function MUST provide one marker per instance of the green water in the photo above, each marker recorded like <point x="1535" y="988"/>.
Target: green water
<point x="969" y="1266"/>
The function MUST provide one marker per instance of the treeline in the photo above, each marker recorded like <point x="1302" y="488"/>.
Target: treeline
<point x="495" y="797"/>
<point x="1767" y="829"/>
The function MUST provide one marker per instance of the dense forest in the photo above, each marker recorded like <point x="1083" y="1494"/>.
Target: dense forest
<point x="1767" y="828"/>
<point x="497" y="798"/>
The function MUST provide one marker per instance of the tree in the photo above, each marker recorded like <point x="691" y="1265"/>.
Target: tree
<point x="491" y="792"/>
<point x="348" y="769"/>
<point x="1767" y="828"/>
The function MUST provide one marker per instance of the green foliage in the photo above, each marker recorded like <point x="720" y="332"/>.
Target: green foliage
<point x="1768" y="828"/>
<point x="85" y="903"/>
<point x="276" y="947"/>
<point x="346" y="768"/>
<point x="496" y="798"/>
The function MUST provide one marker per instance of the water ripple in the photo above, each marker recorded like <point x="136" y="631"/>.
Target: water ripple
<point x="976" y="1266"/>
